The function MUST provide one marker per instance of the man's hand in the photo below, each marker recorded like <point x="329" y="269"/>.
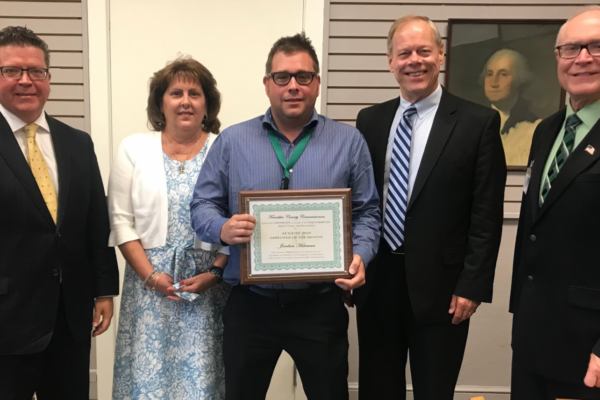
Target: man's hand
<point x="462" y="309"/>
<point x="357" y="270"/>
<point x="103" y="312"/>
<point x="238" y="229"/>
<point x="592" y="378"/>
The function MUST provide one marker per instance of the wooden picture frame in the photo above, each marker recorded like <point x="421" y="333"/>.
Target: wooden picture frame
<point x="508" y="65"/>
<point x="300" y="236"/>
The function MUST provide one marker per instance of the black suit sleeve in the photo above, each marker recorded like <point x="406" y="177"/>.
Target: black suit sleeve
<point x="485" y="231"/>
<point x="102" y="257"/>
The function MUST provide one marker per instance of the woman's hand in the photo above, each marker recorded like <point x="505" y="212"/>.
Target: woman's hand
<point x="196" y="284"/>
<point x="163" y="283"/>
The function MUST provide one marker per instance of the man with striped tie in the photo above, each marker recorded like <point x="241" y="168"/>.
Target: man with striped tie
<point x="57" y="273"/>
<point x="440" y="172"/>
<point x="555" y="295"/>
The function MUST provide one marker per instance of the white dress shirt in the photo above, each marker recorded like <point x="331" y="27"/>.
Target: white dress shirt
<point x="43" y="138"/>
<point x="421" y="121"/>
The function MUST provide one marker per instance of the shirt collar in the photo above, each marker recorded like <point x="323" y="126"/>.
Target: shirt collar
<point x="426" y="105"/>
<point x="589" y="114"/>
<point x="17" y="123"/>
<point x="269" y="123"/>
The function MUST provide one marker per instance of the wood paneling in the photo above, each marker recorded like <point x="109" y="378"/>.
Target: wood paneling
<point x="358" y="63"/>
<point x="66" y="92"/>
<point x="435" y="12"/>
<point x="77" y="123"/>
<point x="70" y="43"/>
<point x="58" y="59"/>
<point x="65" y="108"/>
<point x="40" y="9"/>
<point x="45" y="26"/>
<point x="71" y="75"/>
<point x="369" y="28"/>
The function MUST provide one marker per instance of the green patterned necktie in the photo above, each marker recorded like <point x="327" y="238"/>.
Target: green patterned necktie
<point x="565" y="148"/>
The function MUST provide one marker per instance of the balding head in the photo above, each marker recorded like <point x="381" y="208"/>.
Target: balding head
<point x="592" y="11"/>
<point x="580" y="76"/>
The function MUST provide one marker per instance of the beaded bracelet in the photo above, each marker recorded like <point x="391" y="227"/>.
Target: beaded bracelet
<point x="150" y="276"/>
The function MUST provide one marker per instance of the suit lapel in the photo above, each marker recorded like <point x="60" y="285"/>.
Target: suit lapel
<point x="442" y="127"/>
<point x="382" y="130"/>
<point x="540" y="157"/>
<point x="62" y="156"/>
<point x="13" y="155"/>
<point x="577" y="162"/>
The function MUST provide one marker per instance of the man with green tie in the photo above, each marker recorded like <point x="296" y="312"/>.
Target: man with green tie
<point x="555" y="294"/>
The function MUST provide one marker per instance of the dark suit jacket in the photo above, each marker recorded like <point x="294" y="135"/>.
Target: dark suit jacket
<point x="556" y="278"/>
<point x="454" y="220"/>
<point x="33" y="249"/>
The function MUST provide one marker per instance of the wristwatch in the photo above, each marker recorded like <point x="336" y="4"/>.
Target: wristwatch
<point x="216" y="271"/>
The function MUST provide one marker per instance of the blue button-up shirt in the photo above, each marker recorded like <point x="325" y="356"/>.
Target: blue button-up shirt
<point x="242" y="158"/>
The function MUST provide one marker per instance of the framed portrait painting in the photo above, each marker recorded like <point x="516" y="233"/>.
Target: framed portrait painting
<point x="510" y="66"/>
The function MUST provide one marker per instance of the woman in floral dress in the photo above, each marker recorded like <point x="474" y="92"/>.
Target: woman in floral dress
<point x="170" y="329"/>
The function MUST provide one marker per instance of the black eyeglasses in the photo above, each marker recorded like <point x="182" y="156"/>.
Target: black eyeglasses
<point x="572" y="50"/>
<point x="35" y="74"/>
<point x="303" y="78"/>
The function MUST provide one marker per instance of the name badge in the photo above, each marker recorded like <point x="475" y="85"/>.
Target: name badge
<point x="527" y="177"/>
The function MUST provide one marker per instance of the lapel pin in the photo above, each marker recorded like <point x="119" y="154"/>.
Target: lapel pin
<point x="590" y="149"/>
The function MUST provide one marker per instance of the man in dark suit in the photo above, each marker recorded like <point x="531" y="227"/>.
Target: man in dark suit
<point x="440" y="172"/>
<point x="55" y="264"/>
<point x="555" y="293"/>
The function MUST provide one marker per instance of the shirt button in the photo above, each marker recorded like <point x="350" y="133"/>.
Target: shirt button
<point x="530" y="278"/>
<point x="291" y="170"/>
<point x="55" y="272"/>
<point x="533" y="238"/>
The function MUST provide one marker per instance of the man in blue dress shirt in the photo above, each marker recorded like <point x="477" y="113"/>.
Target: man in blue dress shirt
<point x="309" y="321"/>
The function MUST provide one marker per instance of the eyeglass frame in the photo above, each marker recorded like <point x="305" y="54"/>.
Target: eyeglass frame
<point x="312" y="74"/>
<point x="23" y="70"/>
<point x="581" y="47"/>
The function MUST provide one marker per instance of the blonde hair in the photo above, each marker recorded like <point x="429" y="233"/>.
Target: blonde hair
<point x="400" y="22"/>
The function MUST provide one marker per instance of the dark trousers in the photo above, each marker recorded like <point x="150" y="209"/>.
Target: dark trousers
<point x="388" y="332"/>
<point x="313" y="331"/>
<point x="60" y="372"/>
<point x="528" y="385"/>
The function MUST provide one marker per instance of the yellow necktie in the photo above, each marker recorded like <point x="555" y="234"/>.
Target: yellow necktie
<point x="40" y="170"/>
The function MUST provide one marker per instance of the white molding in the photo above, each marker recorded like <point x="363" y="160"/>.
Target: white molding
<point x="314" y="13"/>
<point x="98" y="46"/>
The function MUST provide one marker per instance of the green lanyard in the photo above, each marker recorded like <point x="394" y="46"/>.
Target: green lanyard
<point x="287" y="167"/>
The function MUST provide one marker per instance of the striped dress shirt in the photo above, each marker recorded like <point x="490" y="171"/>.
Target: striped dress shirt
<point x="242" y="158"/>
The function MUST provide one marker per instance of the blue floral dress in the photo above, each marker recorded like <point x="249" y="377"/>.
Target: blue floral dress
<point x="169" y="350"/>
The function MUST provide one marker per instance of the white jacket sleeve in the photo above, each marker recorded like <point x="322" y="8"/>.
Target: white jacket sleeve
<point x="120" y="205"/>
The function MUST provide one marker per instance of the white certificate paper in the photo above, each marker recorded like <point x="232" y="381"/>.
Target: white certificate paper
<point x="296" y="236"/>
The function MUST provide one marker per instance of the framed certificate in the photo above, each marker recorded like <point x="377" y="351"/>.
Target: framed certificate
<point x="300" y="236"/>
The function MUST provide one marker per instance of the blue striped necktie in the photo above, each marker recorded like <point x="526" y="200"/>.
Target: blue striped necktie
<point x="564" y="150"/>
<point x="397" y="194"/>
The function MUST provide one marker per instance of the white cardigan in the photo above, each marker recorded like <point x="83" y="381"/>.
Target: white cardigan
<point x="137" y="193"/>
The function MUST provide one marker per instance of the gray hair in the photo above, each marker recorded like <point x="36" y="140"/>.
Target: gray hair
<point x="400" y="22"/>
<point x="577" y="14"/>
<point x="522" y="73"/>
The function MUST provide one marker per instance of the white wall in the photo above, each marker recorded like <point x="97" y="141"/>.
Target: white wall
<point x="131" y="39"/>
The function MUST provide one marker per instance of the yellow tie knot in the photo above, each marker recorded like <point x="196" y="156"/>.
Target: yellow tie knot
<point x="30" y="131"/>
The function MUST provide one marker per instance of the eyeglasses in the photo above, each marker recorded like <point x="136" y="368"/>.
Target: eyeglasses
<point x="572" y="50"/>
<point x="303" y="78"/>
<point x="35" y="74"/>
